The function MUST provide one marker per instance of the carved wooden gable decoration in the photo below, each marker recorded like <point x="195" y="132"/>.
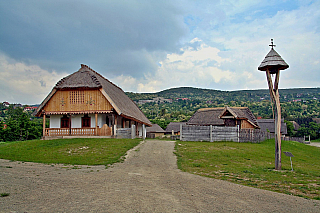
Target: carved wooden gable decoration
<point x="84" y="101"/>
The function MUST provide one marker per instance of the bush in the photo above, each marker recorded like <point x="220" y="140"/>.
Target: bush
<point x="20" y="127"/>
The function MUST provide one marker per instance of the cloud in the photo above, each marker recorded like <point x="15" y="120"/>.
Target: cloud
<point x="148" y="46"/>
<point x="27" y="83"/>
<point x="197" y="67"/>
<point x="117" y="36"/>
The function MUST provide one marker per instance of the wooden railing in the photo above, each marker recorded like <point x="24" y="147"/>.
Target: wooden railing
<point x="57" y="131"/>
<point x="77" y="132"/>
<point x="83" y="131"/>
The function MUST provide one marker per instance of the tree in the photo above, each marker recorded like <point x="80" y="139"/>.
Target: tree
<point x="290" y="128"/>
<point x="313" y="129"/>
<point x="20" y="126"/>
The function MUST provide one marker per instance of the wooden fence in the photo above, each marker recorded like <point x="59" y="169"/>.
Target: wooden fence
<point x="223" y="133"/>
<point x="208" y="133"/>
<point x="127" y="132"/>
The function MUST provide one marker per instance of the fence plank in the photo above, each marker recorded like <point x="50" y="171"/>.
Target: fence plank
<point x="223" y="133"/>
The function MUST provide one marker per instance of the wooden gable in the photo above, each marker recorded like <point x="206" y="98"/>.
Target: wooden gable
<point x="246" y="125"/>
<point x="79" y="100"/>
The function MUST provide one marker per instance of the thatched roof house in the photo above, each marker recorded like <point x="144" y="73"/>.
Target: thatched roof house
<point x="224" y="116"/>
<point x="87" y="93"/>
<point x="268" y="125"/>
<point x="175" y="126"/>
<point x="154" y="131"/>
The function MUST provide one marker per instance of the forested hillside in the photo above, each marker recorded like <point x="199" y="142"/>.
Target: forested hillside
<point x="179" y="104"/>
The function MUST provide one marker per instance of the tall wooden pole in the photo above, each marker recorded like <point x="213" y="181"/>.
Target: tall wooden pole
<point x="275" y="98"/>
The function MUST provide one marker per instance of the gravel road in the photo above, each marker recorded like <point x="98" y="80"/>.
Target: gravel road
<point x="148" y="181"/>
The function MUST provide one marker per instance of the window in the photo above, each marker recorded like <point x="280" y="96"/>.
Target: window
<point x="76" y="97"/>
<point x="65" y="122"/>
<point x="86" y="121"/>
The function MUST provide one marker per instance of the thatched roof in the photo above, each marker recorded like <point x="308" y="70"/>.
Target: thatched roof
<point x="86" y="77"/>
<point x="213" y="116"/>
<point x="175" y="126"/>
<point x="155" y="128"/>
<point x="273" y="61"/>
<point x="268" y="124"/>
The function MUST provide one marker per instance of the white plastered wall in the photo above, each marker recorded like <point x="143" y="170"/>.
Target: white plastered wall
<point x="76" y="121"/>
<point x="55" y="121"/>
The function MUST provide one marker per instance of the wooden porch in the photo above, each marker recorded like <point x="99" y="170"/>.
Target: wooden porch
<point x="104" y="131"/>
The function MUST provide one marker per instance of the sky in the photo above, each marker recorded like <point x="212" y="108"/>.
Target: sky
<point x="151" y="45"/>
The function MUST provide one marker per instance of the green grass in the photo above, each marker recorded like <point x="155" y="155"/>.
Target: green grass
<point x="78" y="151"/>
<point x="253" y="165"/>
<point x="4" y="194"/>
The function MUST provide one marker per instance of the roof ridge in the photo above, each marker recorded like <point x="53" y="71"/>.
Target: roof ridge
<point x="210" y="108"/>
<point x="95" y="72"/>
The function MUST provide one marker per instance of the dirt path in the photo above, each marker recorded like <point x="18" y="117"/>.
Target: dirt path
<point x="148" y="181"/>
<point x="317" y="144"/>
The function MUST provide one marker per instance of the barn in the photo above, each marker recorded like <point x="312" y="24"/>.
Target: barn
<point x="225" y="116"/>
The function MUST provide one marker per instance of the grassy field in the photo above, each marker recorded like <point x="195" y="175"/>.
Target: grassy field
<point x="87" y="151"/>
<point x="253" y="165"/>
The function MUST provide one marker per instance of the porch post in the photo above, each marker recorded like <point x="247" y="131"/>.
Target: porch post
<point x="44" y="125"/>
<point x="69" y="124"/>
<point x="96" y="119"/>
<point x="144" y="133"/>
<point x="115" y="124"/>
<point x="137" y="125"/>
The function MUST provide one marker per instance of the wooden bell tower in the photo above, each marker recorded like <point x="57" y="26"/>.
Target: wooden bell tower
<point x="272" y="64"/>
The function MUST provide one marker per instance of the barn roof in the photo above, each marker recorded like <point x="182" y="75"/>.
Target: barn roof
<point x="268" y="124"/>
<point x="175" y="126"/>
<point x="273" y="61"/>
<point x="155" y="128"/>
<point x="86" y="77"/>
<point x="213" y="116"/>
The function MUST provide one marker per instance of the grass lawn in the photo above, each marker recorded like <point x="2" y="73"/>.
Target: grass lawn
<point x="253" y="165"/>
<point x="80" y="151"/>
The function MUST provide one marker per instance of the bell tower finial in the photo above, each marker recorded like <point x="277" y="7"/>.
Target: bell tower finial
<point x="272" y="45"/>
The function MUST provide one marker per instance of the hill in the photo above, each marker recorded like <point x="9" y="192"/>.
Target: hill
<point x="227" y="96"/>
<point x="179" y="104"/>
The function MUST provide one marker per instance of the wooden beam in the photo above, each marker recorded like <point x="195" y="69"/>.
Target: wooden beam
<point x="69" y="124"/>
<point x="96" y="119"/>
<point x="277" y="131"/>
<point x="269" y="79"/>
<point x="44" y="125"/>
<point x="276" y="82"/>
<point x="275" y="99"/>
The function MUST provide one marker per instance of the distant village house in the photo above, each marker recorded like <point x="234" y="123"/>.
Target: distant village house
<point x="155" y="131"/>
<point x="173" y="128"/>
<point x="225" y="116"/>
<point x="268" y="126"/>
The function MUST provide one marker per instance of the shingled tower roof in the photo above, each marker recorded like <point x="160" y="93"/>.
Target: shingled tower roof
<point x="273" y="61"/>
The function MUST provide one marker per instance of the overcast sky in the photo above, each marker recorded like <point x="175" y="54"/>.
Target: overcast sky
<point x="152" y="45"/>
